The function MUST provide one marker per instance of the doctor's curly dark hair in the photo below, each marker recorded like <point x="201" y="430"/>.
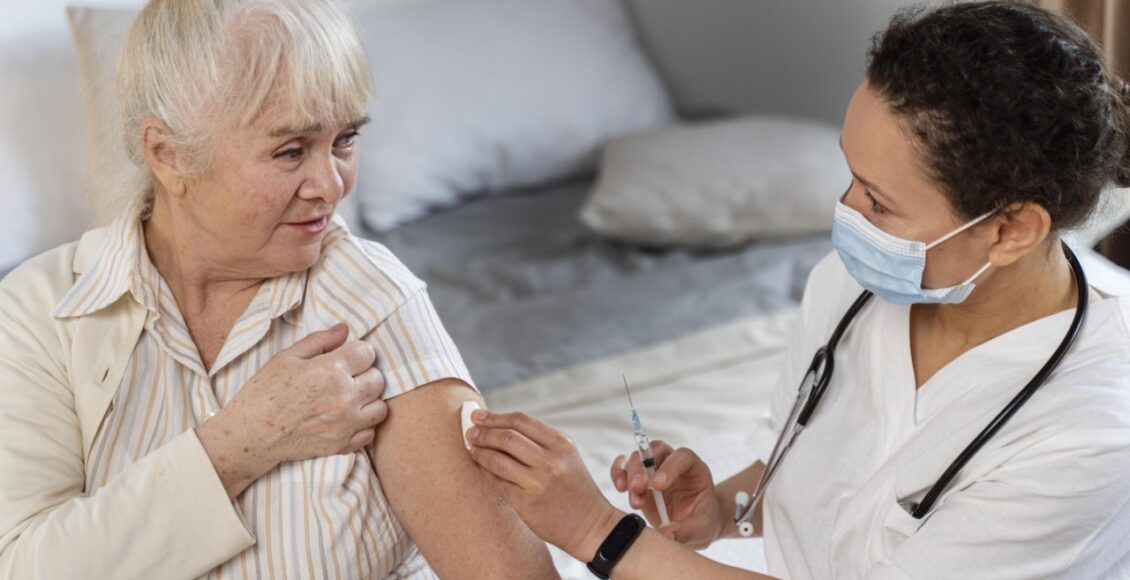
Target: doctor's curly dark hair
<point x="1009" y="103"/>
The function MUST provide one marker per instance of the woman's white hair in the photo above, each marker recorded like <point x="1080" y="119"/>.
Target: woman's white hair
<point x="198" y="65"/>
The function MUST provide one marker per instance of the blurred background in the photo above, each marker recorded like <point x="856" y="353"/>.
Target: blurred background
<point x="590" y="188"/>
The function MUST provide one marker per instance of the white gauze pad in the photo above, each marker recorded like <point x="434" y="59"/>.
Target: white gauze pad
<point x="465" y="418"/>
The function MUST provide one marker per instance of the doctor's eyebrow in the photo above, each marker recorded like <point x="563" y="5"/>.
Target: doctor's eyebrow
<point x="869" y="185"/>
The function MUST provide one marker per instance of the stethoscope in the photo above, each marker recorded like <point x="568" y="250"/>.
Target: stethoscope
<point x="819" y="375"/>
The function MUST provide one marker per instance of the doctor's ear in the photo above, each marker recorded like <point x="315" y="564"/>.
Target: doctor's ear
<point x="163" y="159"/>
<point x="1020" y="228"/>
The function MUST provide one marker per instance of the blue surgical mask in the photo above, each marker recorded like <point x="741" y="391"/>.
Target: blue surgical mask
<point x="890" y="267"/>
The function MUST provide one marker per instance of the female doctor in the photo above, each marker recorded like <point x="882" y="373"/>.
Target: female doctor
<point x="972" y="419"/>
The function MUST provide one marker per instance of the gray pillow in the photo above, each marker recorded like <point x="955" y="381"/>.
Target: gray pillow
<point x="719" y="183"/>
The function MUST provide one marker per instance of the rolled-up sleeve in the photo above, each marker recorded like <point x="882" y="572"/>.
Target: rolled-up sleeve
<point x="414" y="349"/>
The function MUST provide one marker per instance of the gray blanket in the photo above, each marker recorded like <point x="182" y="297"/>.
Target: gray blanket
<point x="524" y="289"/>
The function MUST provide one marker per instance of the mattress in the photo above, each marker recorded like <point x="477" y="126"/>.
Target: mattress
<point x="524" y="290"/>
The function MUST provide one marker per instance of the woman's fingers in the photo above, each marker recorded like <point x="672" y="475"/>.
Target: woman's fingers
<point x="370" y="385"/>
<point x="375" y="412"/>
<point x="510" y="442"/>
<point x="361" y="439"/>
<point x="527" y="425"/>
<point x="355" y="357"/>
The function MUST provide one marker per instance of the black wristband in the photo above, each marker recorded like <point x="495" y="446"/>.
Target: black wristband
<point x="618" y="541"/>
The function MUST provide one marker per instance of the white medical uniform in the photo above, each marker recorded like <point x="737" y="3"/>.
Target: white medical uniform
<point x="1047" y="497"/>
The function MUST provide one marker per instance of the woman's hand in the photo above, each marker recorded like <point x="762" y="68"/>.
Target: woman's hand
<point x="321" y="396"/>
<point x="538" y="471"/>
<point x="688" y="490"/>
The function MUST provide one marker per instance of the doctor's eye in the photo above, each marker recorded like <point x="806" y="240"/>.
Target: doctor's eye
<point x="876" y="207"/>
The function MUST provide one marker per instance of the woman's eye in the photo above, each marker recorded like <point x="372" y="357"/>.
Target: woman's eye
<point x="347" y="140"/>
<point x="289" y="154"/>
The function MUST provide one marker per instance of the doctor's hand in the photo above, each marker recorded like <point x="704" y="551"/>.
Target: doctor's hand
<point x="688" y="490"/>
<point x="539" y="472"/>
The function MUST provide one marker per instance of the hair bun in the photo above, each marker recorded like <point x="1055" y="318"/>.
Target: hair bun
<point x="1122" y="174"/>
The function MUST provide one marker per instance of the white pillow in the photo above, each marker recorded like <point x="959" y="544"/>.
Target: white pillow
<point x="719" y="183"/>
<point x="487" y="95"/>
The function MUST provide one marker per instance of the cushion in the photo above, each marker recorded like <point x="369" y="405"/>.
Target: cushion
<point x="98" y="35"/>
<point x="719" y="183"/>
<point x="484" y="96"/>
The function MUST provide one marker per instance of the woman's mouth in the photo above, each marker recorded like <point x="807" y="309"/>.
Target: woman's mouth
<point x="311" y="227"/>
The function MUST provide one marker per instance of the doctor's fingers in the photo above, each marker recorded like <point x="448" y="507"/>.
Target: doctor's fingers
<point x="681" y="464"/>
<point x="618" y="471"/>
<point x="636" y="471"/>
<point x="504" y="467"/>
<point x="527" y="425"/>
<point x="510" y="442"/>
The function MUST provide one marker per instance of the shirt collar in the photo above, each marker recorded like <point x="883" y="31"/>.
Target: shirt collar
<point x="109" y="274"/>
<point x="121" y="265"/>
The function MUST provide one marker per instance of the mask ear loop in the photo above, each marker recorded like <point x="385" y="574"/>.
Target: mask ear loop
<point x="987" y="265"/>
<point x="959" y="230"/>
<point x="978" y="274"/>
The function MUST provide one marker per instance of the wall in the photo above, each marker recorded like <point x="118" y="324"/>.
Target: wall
<point x="797" y="57"/>
<point x="40" y="138"/>
<point x="801" y="57"/>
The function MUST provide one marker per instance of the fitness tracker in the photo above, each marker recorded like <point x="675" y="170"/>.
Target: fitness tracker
<point x="618" y="541"/>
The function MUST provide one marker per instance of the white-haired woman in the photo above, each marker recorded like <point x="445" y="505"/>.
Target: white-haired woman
<point x="199" y="390"/>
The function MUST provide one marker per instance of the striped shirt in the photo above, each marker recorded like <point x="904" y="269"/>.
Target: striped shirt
<point x="320" y="518"/>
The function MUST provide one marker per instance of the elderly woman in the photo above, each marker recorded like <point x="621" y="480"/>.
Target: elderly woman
<point x="193" y="391"/>
<point x="982" y="131"/>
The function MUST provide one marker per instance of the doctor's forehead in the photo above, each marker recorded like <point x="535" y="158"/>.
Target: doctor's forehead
<point x="879" y="148"/>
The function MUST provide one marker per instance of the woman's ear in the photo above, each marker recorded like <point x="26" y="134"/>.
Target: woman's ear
<point x="164" y="162"/>
<point x="1021" y="228"/>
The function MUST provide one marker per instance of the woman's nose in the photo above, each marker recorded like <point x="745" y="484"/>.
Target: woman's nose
<point x="324" y="181"/>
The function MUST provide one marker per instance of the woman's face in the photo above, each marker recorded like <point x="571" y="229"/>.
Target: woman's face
<point x="263" y="206"/>
<point x="891" y="189"/>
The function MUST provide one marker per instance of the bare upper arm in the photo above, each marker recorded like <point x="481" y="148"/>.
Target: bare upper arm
<point x="444" y="501"/>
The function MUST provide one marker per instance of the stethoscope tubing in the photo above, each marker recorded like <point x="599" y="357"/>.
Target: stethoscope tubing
<point x="826" y="356"/>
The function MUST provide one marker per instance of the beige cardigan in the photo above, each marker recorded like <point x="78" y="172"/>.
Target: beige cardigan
<point x="168" y="516"/>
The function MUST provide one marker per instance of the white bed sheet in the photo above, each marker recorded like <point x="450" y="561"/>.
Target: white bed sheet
<point x="705" y="391"/>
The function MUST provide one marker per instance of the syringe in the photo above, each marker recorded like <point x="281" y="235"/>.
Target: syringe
<point x="648" y="459"/>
